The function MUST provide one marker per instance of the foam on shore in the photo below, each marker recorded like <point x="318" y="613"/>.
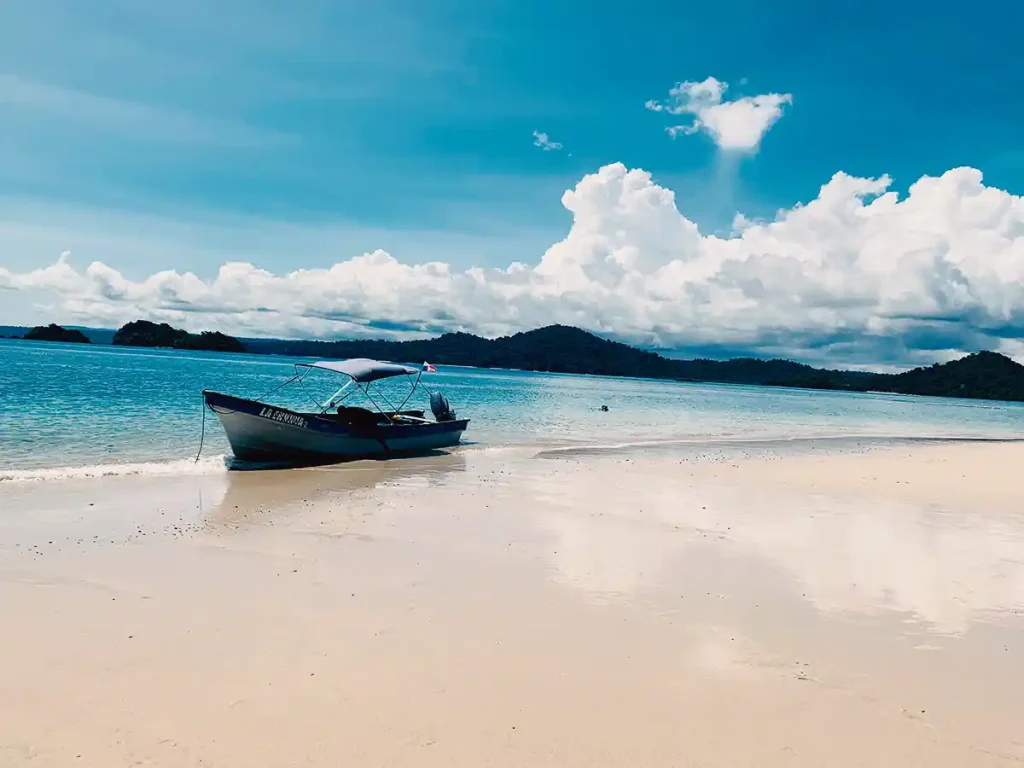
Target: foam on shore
<point x="205" y="466"/>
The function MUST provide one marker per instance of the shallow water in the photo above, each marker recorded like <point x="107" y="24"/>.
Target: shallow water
<point x="73" y="410"/>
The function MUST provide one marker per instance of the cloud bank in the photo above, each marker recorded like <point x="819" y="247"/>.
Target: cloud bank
<point x="737" y="124"/>
<point x="855" y="275"/>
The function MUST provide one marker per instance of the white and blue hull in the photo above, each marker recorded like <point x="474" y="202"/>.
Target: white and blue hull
<point x="258" y="432"/>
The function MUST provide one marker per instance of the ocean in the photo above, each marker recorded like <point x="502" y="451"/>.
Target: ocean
<point x="71" y="410"/>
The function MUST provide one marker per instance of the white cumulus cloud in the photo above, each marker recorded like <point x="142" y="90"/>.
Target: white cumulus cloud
<point x="736" y="124"/>
<point x="854" y="275"/>
<point x="543" y="141"/>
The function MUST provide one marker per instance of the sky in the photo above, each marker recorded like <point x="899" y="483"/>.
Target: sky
<point x="839" y="185"/>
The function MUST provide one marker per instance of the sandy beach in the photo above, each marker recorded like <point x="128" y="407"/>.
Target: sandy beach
<point x="841" y="604"/>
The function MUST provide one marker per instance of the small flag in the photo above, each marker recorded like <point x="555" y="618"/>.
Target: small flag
<point x="429" y="368"/>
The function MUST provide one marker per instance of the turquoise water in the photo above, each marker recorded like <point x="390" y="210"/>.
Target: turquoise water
<point x="69" y="406"/>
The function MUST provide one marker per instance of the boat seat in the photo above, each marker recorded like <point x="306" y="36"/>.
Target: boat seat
<point x="359" y="417"/>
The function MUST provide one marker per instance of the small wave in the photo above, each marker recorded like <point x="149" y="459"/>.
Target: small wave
<point x="468" y="447"/>
<point x="767" y="441"/>
<point x="205" y="466"/>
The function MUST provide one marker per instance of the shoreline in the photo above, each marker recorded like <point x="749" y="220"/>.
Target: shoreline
<point x="793" y="443"/>
<point x="628" y="607"/>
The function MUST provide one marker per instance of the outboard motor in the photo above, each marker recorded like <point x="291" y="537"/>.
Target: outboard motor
<point x="441" y="408"/>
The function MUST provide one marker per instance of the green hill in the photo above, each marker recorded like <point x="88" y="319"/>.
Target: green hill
<point x="54" y="332"/>
<point x="142" y="333"/>
<point x="563" y="349"/>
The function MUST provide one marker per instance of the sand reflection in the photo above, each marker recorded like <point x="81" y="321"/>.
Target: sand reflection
<point x="619" y="528"/>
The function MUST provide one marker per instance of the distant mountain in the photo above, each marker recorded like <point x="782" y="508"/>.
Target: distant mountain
<point x="556" y="348"/>
<point x="54" y="332"/>
<point x="563" y="349"/>
<point x="97" y="335"/>
<point x="142" y="333"/>
<point x="985" y="375"/>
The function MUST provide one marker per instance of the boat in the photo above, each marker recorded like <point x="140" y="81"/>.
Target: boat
<point x="261" y="432"/>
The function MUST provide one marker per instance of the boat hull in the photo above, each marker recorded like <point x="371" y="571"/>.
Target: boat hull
<point x="259" y="433"/>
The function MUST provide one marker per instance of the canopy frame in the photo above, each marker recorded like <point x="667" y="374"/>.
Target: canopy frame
<point x="361" y="373"/>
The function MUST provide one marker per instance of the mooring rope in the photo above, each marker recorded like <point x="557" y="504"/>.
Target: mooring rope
<point x="202" y="432"/>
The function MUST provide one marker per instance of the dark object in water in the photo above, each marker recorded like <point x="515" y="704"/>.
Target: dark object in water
<point x="604" y="407"/>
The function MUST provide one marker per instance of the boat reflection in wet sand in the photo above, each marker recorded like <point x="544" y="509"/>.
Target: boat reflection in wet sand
<point x="259" y="432"/>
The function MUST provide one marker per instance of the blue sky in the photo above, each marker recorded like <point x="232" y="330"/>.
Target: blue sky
<point x="180" y="135"/>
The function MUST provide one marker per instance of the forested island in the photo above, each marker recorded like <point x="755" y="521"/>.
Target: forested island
<point x="564" y="349"/>
<point x="142" y="333"/>
<point x="54" y="332"/>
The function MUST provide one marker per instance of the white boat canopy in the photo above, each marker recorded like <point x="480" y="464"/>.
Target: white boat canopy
<point x="363" y="370"/>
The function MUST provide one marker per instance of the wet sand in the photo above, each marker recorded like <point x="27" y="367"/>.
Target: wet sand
<point x="749" y="606"/>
